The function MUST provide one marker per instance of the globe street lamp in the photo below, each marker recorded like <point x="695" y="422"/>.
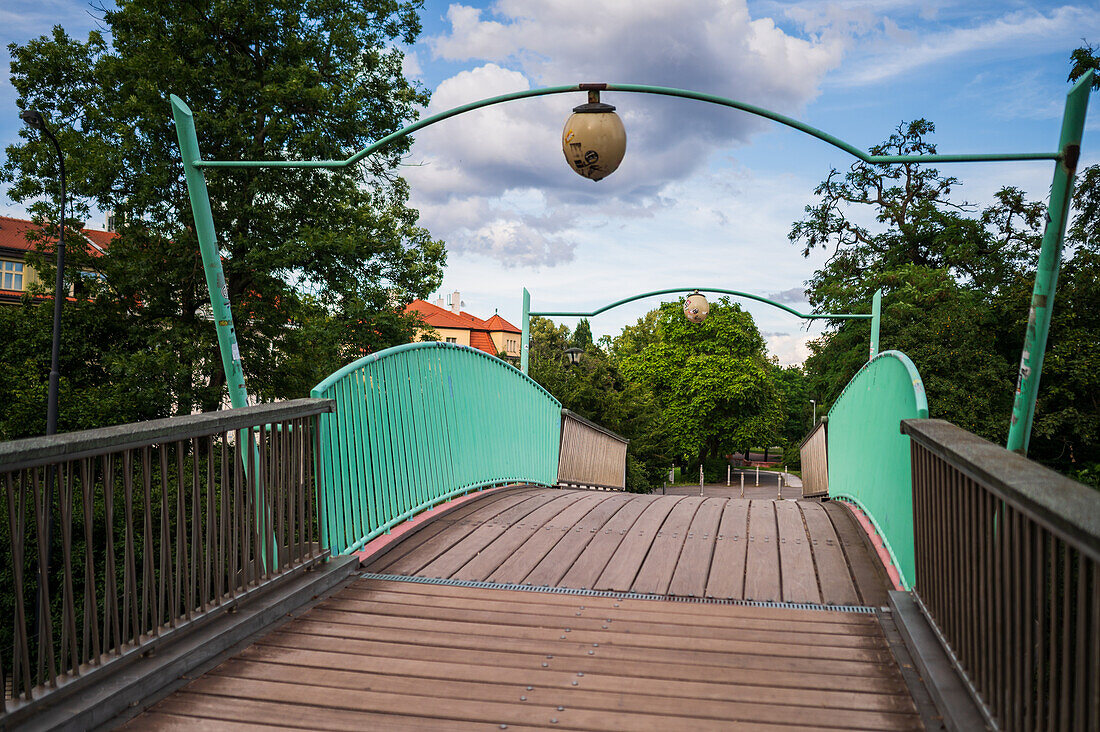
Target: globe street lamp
<point x="574" y="355"/>
<point x="696" y="307"/>
<point x="36" y="121"/>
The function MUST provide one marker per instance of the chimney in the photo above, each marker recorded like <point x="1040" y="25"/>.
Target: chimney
<point x="456" y="302"/>
<point x="439" y="302"/>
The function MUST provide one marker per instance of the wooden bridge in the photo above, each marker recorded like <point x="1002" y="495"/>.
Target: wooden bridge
<point x="388" y="554"/>
<point x="790" y="637"/>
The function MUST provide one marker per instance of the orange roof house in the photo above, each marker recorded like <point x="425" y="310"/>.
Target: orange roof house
<point x="494" y="336"/>
<point x="16" y="276"/>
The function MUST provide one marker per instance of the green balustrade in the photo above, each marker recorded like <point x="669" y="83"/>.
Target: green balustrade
<point x="419" y="424"/>
<point x="869" y="458"/>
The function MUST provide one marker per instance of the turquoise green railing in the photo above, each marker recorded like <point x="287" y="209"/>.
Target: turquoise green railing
<point x="419" y="424"/>
<point x="869" y="460"/>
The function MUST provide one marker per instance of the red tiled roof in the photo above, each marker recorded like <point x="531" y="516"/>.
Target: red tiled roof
<point x="496" y="323"/>
<point x="480" y="340"/>
<point x="13" y="235"/>
<point x="437" y="317"/>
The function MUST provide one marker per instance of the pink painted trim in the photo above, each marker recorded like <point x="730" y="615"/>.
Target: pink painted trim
<point x="880" y="546"/>
<point x="380" y="542"/>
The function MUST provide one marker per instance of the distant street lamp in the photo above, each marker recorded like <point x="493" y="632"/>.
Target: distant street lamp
<point x="36" y="121"/>
<point x="574" y="355"/>
<point x="814" y="421"/>
<point x="696" y="307"/>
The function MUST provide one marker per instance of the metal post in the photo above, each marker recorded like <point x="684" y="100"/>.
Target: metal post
<point x="876" y="320"/>
<point x="1050" y="259"/>
<point x="742" y="483"/>
<point x="727" y="475"/>
<point x="757" y="476"/>
<point x="700" y="479"/>
<point x="525" y="331"/>
<point x="211" y="260"/>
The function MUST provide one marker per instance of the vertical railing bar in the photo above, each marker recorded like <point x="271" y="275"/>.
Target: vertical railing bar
<point x="179" y="535"/>
<point x="1052" y="665"/>
<point x="239" y="562"/>
<point x="196" y="531"/>
<point x="211" y="519"/>
<point x="90" y="635"/>
<point x="1015" y="596"/>
<point x="295" y="485"/>
<point x="313" y="506"/>
<point x="148" y="558"/>
<point x="1027" y="605"/>
<point x="283" y="465"/>
<point x="1067" y="684"/>
<point x="222" y="579"/>
<point x="111" y="617"/>
<point x="996" y="639"/>
<point x="17" y="524"/>
<point x="46" y="668"/>
<point x="1094" y="648"/>
<point x="129" y="576"/>
<point x="1080" y="673"/>
<point x="1039" y="599"/>
<point x="164" y="584"/>
<point x="264" y="552"/>
<point x="68" y="605"/>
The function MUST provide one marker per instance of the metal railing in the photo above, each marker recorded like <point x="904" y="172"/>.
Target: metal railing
<point x="869" y="459"/>
<point x="118" y="540"/>
<point x="1008" y="571"/>
<point x="418" y="424"/>
<point x="591" y="455"/>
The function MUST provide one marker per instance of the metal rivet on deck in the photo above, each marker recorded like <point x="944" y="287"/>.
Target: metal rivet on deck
<point x="574" y="683"/>
<point x="595" y="645"/>
<point x="504" y="726"/>
<point x="561" y="709"/>
<point x="523" y="698"/>
<point x="554" y="720"/>
<point x="605" y="627"/>
<point x="563" y="637"/>
<point x="545" y="664"/>
<point x="530" y="688"/>
<point x="549" y="656"/>
<point x="568" y="630"/>
<point x="580" y="673"/>
<point x="591" y="653"/>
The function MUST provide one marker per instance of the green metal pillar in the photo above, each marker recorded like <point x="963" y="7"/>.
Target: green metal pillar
<point x="211" y="260"/>
<point x="876" y="320"/>
<point x="525" y="328"/>
<point x="1050" y="259"/>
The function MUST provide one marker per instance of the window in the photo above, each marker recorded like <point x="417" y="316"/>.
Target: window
<point x="452" y="340"/>
<point x="510" y="345"/>
<point x="11" y="275"/>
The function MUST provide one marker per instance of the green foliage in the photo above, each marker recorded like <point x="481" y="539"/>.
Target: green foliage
<point x="712" y="381"/>
<point x="317" y="262"/>
<point x="956" y="286"/>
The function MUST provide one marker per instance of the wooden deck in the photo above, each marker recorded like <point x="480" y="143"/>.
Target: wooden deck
<point x="721" y="547"/>
<point x="404" y="653"/>
<point x="396" y="655"/>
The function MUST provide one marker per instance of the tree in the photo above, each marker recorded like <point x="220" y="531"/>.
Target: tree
<point x="942" y="270"/>
<point x="712" y="381"/>
<point x="317" y="263"/>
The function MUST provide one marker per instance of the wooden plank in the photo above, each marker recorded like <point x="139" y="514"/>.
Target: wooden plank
<point x="592" y="562"/>
<point x="539" y="543"/>
<point x="740" y="618"/>
<point x="762" y="554"/>
<point x="574" y="658"/>
<point x="867" y="571"/>
<point x="513" y="536"/>
<point x="454" y="557"/>
<point x="299" y="714"/>
<point x="426" y="706"/>
<point x="159" y="721"/>
<point x="426" y="551"/>
<point x="837" y="587"/>
<point x="409" y="542"/>
<point x="693" y="569"/>
<point x="746" y="687"/>
<point x="624" y="564"/>
<point x="454" y="634"/>
<point x="799" y="577"/>
<point x="552" y="568"/>
<point x="579" y="696"/>
<point x="727" y="569"/>
<point x="589" y="629"/>
<point x="656" y="571"/>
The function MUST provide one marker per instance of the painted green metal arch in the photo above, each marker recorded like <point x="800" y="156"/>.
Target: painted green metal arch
<point x="738" y="293"/>
<point x="630" y="88"/>
<point x="869" y="458"/>
<point x="387" y="352"/>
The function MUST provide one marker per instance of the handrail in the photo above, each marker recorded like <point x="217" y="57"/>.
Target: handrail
<point x="630" y="88"/>
<point x="421" y="423"/>
<point x="869" y="459"/>
<point x="162" y="526"/>
<point x="1008" y="574"/>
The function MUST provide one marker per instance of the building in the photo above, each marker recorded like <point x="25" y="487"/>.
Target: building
<point x="495" y="336"/>
<point x="16" y="275"/>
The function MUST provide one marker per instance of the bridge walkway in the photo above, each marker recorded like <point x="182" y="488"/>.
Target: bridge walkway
<point x="548" y="608"/>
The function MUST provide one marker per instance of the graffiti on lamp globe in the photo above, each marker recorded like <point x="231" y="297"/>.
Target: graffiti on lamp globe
<point x="696" y="307"/>
<point x="594" y="139"/>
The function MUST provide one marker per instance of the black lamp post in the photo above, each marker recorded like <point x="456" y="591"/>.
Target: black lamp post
<point x="36" y="121"/>
<point x="574" y="355"/>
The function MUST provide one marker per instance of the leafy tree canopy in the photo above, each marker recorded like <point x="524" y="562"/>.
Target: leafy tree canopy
<point x="317" y="262"/>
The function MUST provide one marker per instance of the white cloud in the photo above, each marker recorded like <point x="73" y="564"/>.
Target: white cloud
<point x="468" y="162"/>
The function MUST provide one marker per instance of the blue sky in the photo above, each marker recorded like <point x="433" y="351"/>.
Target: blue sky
<point x="705" y="196"/>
